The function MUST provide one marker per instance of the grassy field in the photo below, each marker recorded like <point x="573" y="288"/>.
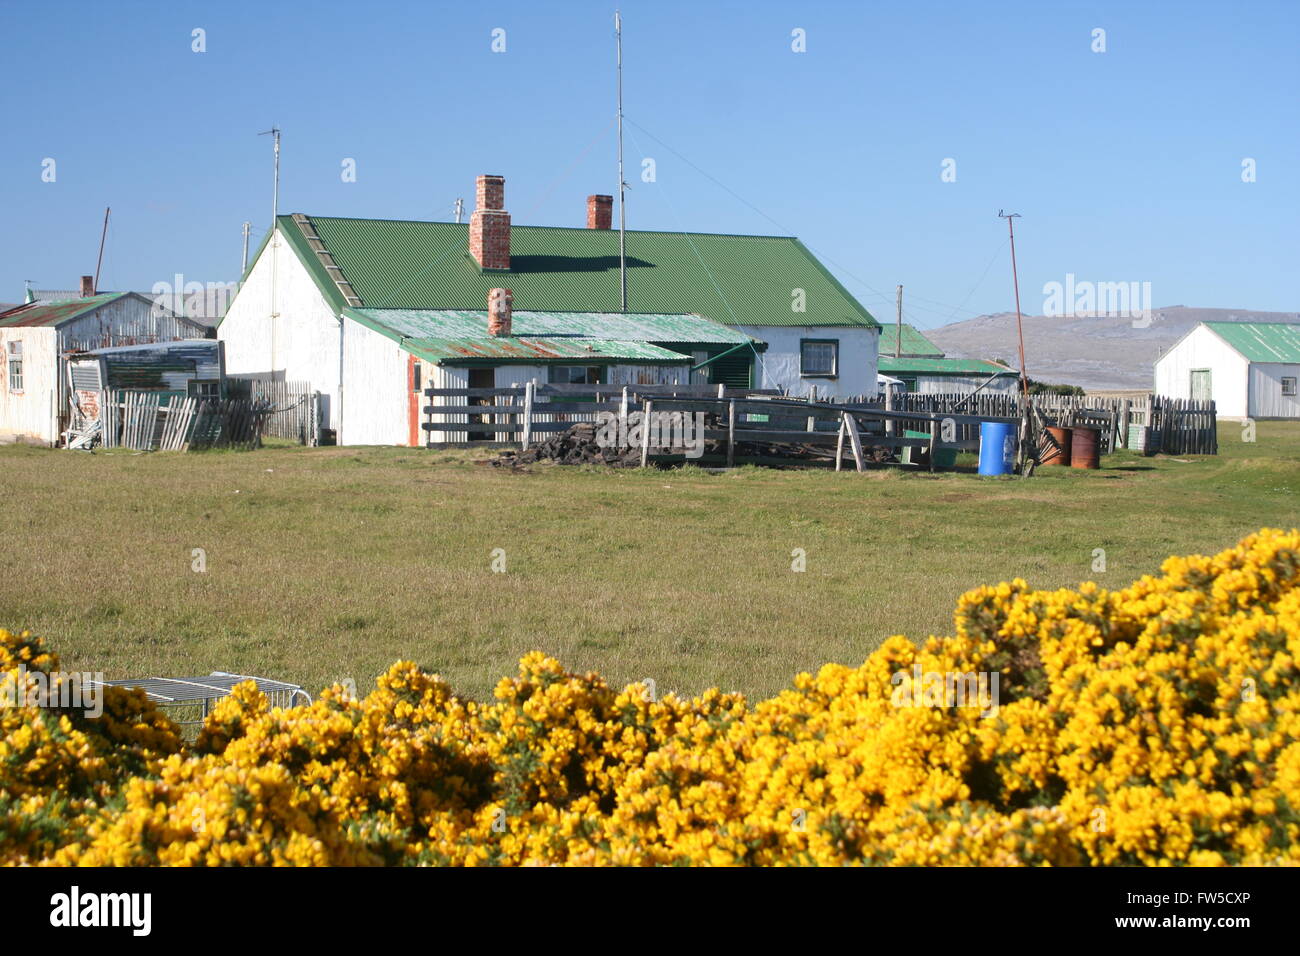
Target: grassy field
<point x="324" y="564"/>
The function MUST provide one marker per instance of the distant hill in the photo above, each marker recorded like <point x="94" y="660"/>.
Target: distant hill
<point x="1096" y="352"/>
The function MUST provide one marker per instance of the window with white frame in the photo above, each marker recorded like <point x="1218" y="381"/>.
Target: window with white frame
<point x="204" y="389"/>
<point x="15" y="366"/>
<point x="819" y="357"/>
<point x="1288" y="385"/>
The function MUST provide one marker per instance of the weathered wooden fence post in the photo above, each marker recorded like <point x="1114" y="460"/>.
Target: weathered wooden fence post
<point x="527" y="433"/>
<point x="645" y="432"/>
<point x="731" y="434"/>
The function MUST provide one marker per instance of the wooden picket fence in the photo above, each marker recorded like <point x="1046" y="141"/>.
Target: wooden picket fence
<point x="293" y="407"/>
<point x="1180" y="426"/>
<point x="1154" y="424"/>
<point x="147" y="421"/>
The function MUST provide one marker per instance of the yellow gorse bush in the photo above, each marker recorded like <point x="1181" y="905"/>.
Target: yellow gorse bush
<point x="1158" y="724"/>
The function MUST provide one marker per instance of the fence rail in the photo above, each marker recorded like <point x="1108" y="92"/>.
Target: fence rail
<point x="520" y="414"/>
<point x="495" y="416"/>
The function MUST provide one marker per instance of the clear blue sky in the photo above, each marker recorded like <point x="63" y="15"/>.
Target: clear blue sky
<point x="1126" y="165"/>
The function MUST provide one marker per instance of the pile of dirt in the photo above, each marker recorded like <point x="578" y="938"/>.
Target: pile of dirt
<point x="576" y="446"/>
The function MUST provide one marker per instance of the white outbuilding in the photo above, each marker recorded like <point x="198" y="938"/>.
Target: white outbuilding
<point x="1249" y="369"/>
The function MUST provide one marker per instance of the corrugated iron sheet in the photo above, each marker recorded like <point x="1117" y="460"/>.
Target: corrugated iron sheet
<point x="610" y="326"/>
<point x="532" y="350"/>
<point x="1261" y="341"/>
<point x="54" y="313"/>
<point x="400" y="264"/>
<point x="939" y="366"/>
<point x="914" y="343"/>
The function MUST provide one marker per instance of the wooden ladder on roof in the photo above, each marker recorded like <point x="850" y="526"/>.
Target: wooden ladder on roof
<point x="326" y="259"/>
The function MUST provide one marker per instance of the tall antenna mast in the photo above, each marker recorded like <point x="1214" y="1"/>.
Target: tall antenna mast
<point x="102" y="236"/>
<point x="622" y="185"/>
<point x="1015" y="279"/>
<point x="274" y="132"/>
<point x="244" y="268"/>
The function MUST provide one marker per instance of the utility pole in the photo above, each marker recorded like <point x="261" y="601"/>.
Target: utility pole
<point x="1015" y="279"/>
<point x="102" y="236"/>
<point x="898" y="342"/>
<point x="460" y="209"/>
<point x="244" y="268"/>
<point x="622" y="185"/>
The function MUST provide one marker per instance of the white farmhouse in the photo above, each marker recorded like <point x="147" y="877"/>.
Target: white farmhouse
<point x="1249" y="369"/>
<point x="366" y="309"/>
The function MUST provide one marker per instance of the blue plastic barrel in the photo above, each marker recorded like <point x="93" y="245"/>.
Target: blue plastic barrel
<point x="997" y="448"/>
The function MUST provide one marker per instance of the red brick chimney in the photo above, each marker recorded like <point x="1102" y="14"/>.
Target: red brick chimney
<point x="87" y="286"/>
<point x="489" y="225"/>
<point x="600" y="212"/>
<point x="500" y="309"/>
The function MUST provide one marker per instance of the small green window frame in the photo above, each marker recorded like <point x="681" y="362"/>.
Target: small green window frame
<point x="824" y="362"/>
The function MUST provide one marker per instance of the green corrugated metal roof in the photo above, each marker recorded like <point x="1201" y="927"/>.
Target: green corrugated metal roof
<point x="48" y="314"/>
<point x="401" y="264"/>
<point x="615" y="326"/>
<point x="544" y="351"/>
<point x="1261" y="341"/>
<point x="939" y="366"/>
<point x="461" y="337"/>
<point x="914" y="343"/>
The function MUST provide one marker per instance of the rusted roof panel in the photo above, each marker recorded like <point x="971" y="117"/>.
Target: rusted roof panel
<point x="610" y="326"/>
<point x="527" y="350"/>
<point x="50" y="314"/>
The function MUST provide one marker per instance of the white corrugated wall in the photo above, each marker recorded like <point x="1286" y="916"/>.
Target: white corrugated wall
<point x="376" y="404"/>
<point x="1266" y="398"/>
<point x="943" y="384"/>
<point x="125" y="321"/>
<point x="30" y="414"/>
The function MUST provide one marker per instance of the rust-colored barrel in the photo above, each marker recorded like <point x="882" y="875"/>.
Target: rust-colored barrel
<point x="1061" y="454"/>
<point x="1083" y="448"/>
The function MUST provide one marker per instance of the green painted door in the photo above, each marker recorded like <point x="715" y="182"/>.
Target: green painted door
<point x="1201" y="391"/>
